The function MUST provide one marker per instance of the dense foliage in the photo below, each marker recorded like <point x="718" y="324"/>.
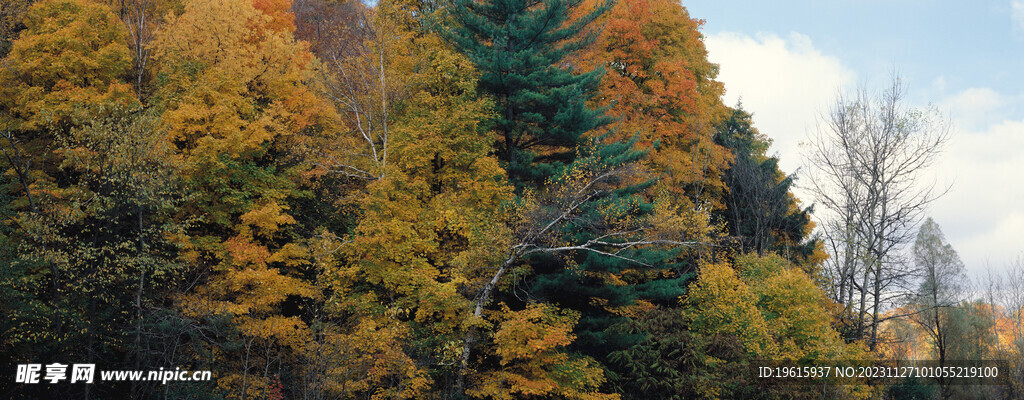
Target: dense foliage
<point x="496" y="199"/>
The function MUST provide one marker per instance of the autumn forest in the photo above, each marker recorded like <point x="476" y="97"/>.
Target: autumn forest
<point x="455" y="199"/>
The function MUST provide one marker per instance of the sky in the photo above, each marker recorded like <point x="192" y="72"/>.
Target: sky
<point x="787" y="61"/>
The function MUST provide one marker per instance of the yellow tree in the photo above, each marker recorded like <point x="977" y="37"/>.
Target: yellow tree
<point x="727" y="305"/>
<point x="427" y="194"/>
<point x="773" y="309"/>
<point x="795" y="308"/>
<point x="66" y="68"/>
<point x="232" y="88"/>
<point x="533" y="364"/>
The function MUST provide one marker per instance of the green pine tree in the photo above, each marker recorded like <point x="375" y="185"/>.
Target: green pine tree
<point x="520" y="48"/>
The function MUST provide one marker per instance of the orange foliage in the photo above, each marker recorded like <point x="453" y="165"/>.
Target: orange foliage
<point x="279" y="11"/>
<point x="661" y="85"/>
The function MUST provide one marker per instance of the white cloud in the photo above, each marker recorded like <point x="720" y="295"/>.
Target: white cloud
<point x="983" y="214"/>
<point x="784" y="82"/>
<point x="974" y="107"/>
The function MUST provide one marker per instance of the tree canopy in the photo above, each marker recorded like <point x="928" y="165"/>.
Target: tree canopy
<point x="493" y="199"/>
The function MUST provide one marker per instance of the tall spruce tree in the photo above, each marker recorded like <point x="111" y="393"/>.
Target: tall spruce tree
<point x="520" y="48"/>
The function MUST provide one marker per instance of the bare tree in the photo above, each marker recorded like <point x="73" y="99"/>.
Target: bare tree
<point x="868" y="158"/>
<point x="357" y="50"/>
<point x="138" y="18"/>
